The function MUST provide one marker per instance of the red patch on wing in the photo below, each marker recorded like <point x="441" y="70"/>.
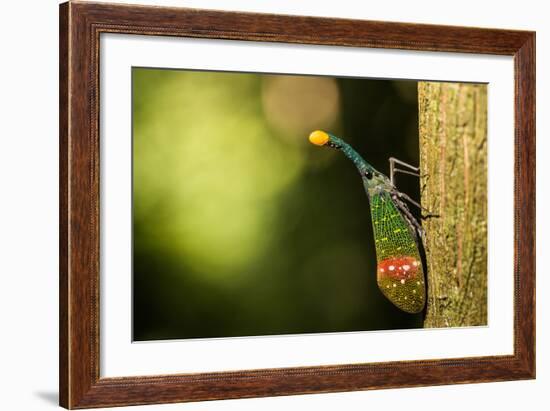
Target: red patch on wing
<point x="399" y="267"/>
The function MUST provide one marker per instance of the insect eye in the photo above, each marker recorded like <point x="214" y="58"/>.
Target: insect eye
<point x="368" y="174"/>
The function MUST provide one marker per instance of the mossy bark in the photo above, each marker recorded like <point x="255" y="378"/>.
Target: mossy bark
<point x="453" y="161"/>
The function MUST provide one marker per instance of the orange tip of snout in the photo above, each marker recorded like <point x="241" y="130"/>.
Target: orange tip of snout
<point x="319" y="138"/>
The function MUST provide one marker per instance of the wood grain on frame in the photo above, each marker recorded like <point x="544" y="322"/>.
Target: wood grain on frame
<point x="80" y="27"/>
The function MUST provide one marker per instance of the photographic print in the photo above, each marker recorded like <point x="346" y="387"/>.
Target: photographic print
<point x="276" y="204"/>
<point x="241" y="193"/>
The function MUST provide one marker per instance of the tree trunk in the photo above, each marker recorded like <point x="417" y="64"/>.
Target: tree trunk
<point x="453" y="161"/>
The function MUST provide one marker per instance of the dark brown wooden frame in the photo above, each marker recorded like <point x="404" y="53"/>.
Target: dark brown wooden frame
<point x="80" y="27"/>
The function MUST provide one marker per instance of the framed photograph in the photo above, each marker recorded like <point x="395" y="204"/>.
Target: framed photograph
<point x="259" y="205"/>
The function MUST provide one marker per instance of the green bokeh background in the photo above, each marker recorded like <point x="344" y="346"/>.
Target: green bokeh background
<point x="242" y="227"/>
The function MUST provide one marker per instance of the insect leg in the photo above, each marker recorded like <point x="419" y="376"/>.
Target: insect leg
<point x="394" y="170"/>
<point x="408" y="215"/>
<point x="410" y="200"/>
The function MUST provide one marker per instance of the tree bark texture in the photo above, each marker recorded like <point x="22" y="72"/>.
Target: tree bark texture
<point x="453" y="161"/>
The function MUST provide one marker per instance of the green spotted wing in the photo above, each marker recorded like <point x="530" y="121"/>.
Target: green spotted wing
<point x="400" y="275"/>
